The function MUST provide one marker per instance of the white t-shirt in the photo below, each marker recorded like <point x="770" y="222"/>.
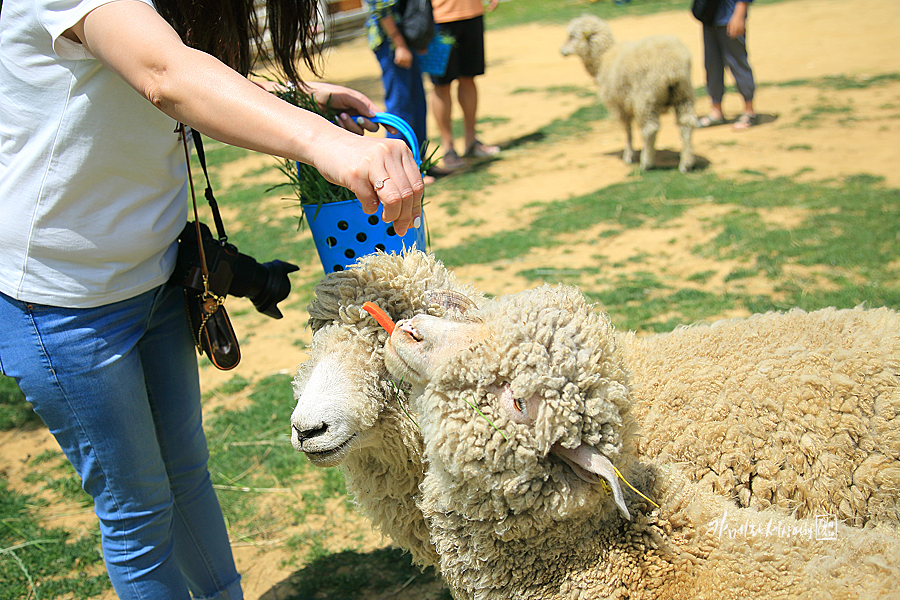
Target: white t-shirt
<point x="92" y="175"/>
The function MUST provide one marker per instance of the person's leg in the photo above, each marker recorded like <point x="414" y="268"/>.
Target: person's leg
<point x="714" y="63"/>
<point x="441" y="98"/>
<point x="169" y="362"/>
<point x="739" y="65"/>
<point x="404" y="93"/>
<point x="442" y="109"/>
<point x="467" y="96"/>
<point x="470" y="39"/>
<point x="418" y="102"/>
<point x="83" y="372"/>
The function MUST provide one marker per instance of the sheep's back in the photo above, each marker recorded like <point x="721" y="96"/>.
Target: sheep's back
<point x="652" y="73"/>
<point x="797" y="410"/>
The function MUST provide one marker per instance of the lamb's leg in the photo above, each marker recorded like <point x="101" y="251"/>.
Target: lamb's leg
<point x="628" y="155"/>
<point x="649" y="129"/>
<point x="687" y="120"/>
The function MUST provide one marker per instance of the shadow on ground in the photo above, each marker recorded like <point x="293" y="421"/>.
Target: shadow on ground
<point x="665" y="159"/>
<point x="384" y="574"/>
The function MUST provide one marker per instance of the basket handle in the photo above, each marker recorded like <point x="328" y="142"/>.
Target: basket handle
<point x="400" y="125"/>
<point x="403" y="127"/>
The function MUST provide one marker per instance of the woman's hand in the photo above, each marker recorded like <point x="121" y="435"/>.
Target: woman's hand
<point x="338" y="97"/>
<point x="378" y="171"/>
<point x="350" y="102"/>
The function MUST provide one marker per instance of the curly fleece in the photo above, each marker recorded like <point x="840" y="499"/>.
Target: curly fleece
<point x="511" y="520"/>
<point x="799" y="410"/>
<point x="384" y="477"/>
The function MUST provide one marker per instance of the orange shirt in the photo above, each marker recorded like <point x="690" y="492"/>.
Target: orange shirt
<point x="446" y="11"/>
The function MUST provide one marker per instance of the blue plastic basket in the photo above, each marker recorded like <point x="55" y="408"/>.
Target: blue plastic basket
<point x="342" y="232"/>
<point x="434" y="60"/>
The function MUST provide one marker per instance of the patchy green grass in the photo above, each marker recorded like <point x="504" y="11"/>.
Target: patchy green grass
<point x="251" y="455"/>
<point x="38" y="561"/>
<point x="15" y="412"/>
<point x="848" y="238"/>
<point x="559" y="11"/>
<point x="351" y="575"/>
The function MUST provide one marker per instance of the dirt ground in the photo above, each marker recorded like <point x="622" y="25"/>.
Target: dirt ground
<point x="796" y="40"/>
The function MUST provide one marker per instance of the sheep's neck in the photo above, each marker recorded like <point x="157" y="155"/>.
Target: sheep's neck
<point x="392" y="508"/>
<point x="583" y="558"/>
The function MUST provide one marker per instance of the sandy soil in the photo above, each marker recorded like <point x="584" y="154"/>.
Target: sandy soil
<point x="796" y="40"/>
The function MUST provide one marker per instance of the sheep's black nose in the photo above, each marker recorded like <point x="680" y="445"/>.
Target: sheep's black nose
<point x="308" y="434"/>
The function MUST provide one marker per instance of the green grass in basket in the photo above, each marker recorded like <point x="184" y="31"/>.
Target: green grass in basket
<point x="307" y="183"/>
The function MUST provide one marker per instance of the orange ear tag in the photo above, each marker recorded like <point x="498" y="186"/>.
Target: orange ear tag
<point x="382" y="317"/>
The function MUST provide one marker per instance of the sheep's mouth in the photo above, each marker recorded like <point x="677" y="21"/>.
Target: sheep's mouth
<point x="332" y="456"/>
<point x="398" y="366"/>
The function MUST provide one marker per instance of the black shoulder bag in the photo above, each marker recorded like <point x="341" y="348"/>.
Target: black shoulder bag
<point x="416" y="23"/>
<point x="705" y="11"/>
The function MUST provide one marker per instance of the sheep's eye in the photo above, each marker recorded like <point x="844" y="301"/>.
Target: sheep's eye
<point x="516" y="408"/>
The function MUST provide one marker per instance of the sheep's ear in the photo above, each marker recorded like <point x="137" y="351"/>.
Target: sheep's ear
<point x="590" y="464"/>
<point x="450" y="299"/>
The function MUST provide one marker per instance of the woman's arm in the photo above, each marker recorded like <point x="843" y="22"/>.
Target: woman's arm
<point x="133" y="41"/>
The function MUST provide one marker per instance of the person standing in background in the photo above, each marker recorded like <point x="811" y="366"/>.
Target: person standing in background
<point x="464" y="21"/>
<point x="404" y="93"/>
<point x="725" y="43"/>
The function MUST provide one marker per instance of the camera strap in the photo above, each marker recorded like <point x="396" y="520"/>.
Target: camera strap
<point x="213" y="205"/>
<point x="211" y="327"/>
<point x="210" y="301"/>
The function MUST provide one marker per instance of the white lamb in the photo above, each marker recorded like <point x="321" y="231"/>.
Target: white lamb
<point x="638" y="81"/>
<point x="349" y="412"/>
<point x="525" y="414"/>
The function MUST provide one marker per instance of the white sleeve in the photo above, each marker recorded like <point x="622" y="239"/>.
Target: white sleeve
<point x="57" y="16"/>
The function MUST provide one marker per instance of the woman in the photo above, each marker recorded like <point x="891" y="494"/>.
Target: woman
<point x="93" y="192"/>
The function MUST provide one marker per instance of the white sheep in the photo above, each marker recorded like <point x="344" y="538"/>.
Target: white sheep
<point x="349" y="412"/>
<point x="525" y="413"/>
<point x="800" y="410"/>
<point x="343" y="391"/>
<point x="638" y="81"/>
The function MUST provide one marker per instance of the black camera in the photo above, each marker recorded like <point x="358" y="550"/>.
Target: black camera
<point x="231" y="272"/>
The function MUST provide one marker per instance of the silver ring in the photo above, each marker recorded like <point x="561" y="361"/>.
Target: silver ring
<point x="380" y="183"/>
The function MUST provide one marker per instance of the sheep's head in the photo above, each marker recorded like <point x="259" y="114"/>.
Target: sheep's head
<point x="525" y="405"/>
<point x="588" y="37"/>
<point x="343" y="389"/>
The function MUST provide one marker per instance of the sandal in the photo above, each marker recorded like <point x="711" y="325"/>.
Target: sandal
<point x="452" y="160"/>
<point x="480" y="150"/>
<point x="746" y="121"/>
<point x="710" y="121"/>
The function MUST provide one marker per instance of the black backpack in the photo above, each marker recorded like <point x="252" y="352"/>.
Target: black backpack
<point x="705" y="11"/>
<point x="416" y="23"/>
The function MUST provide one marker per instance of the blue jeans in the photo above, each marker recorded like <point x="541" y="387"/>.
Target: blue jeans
<point x="118" y="387"/>
<point x="404" y="92"/>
